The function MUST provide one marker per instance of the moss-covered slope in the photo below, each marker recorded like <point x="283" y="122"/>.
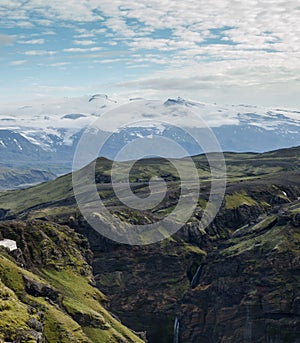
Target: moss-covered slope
<point x="57" y="195"/>
<point x="47" y="291"/>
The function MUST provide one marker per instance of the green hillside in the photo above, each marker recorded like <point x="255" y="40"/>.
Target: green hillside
<point x="47" y="289"/>
<point x="57" y="195"/>
<point x="11" y="178"/>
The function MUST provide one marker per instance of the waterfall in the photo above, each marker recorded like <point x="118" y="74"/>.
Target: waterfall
<point x="176" y="331"/>
<point x="196" y="277"/>
<point x="248" y="328"/>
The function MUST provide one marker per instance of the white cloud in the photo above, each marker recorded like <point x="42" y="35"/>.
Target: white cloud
<point x="59" y="64"/>
<point x="44" y="22"/>
<point x="33" y="41"/>
<point x="85" y="35"/>
<point x="68" y="10"/>
<point x="112" y="60"/>
<point x="39" y="52"/>
<point x="18" y="62"/>
<point x="83" y="49"/>
<point x="84" y="42"/>
<point x="24" y="24"/>
<point x="49" y="33"/>
<point x="198" y="44"/>
<point x="256" y="23"/>
<point x="112" y="43"/>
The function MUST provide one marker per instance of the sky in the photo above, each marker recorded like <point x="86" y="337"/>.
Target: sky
<point x="221" y="51"/>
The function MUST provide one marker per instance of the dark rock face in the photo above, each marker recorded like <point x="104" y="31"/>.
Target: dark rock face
<point x="248" y="291"/>
<point x="3" y="213"/>
<point x="35" y="324"/>
<point x="143" y="284"/>
<point x="212" y="295"/>
<point x="296" y="220"/>
<point x="38" y="289"/>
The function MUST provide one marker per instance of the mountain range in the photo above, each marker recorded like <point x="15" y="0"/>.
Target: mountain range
<point x="46" y="135"/>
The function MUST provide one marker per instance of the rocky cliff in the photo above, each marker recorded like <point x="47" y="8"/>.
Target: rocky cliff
<point x="149" y="286"/>
<point x="248" y="288"/>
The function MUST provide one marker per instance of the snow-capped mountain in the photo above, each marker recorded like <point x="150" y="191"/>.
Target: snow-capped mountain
<point x="54" y="123"/>
<point x="49" y="132"/>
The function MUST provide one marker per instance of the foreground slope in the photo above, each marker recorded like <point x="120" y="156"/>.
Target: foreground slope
<point x="47" y="291"/>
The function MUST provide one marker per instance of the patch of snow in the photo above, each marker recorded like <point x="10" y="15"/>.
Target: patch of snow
<point x="9" y="243"/>
<point x="18" y="144"/>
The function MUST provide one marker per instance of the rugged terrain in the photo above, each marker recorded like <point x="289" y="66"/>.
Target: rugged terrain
<point x="47" y="291"/>
<point x="234" y="281"/>
<point x="247" y="289"/>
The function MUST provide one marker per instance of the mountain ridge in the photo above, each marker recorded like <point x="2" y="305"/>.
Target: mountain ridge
<point x="50" y="133"/>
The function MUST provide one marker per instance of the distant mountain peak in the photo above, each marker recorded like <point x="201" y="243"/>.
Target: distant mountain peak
<point x="179" y="101"/>
<point x="101" y="96"/>
<point x="73" y="116"/>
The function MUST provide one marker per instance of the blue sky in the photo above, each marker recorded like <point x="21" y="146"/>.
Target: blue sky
<point x="223" y="51"/>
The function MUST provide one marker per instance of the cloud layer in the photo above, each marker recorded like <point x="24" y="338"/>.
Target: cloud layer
<point x="181" y="46"/>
